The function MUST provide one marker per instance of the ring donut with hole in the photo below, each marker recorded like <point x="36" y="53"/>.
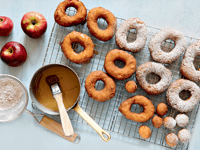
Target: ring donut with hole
<point x="187" y="65"/>
<point x="99" y="12"/>
<point x="157" y="68"/>
<point x="84" y="40"/>
<point x="122" y="33"/>
<point x="116" y="72"/>
<point x="106" y="93"/>
<point x="155" y="43"/>
<point x="173" y="95"/>
<point x="63" y="19"/>
<point x="148" y="108"/>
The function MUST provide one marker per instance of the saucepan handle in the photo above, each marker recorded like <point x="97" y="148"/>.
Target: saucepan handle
<point x="92" y="123"/>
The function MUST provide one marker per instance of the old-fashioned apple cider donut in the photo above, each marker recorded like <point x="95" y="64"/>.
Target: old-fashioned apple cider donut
<point x="116" y="72"/>
<point x="158" y="54"/>
<point x="148" y="108"/>
<point x="173" y="95"/>
<point x="157" y="68"/>
<point x="106" y="93"/>
<point x="99" y="12"/>
<point x="122" y="32"/>
<point x="63" y="19"/>
<point x="187" y="65"/>
<point x="84" y="40"/>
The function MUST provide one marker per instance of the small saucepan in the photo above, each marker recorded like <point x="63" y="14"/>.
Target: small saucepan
<point x="65" y="73"/>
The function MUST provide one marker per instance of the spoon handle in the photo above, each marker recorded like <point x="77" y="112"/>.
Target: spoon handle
<point x="65" y="121"/>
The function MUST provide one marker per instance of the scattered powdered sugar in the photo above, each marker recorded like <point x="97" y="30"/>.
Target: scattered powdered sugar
<point x="187" y="65"/>
<point x="10" y="93"/>
<point x="157" y="68"/>
<point x="182" y="120"/>
<point x="158" y="54"/>
<point x="184" y="135"/>
<point x="173" y="95"/>
<point x="169" y="122"/>
<point x="122" y="32"/>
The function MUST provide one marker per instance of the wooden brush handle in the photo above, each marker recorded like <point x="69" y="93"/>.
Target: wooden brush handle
<point x="65" y="121"/>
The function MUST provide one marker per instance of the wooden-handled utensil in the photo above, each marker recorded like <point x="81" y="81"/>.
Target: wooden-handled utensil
<point x="53" y="82"/>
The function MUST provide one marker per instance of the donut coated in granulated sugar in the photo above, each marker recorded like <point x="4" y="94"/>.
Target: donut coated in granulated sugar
<point x="173" y="95"/>
<point x="157" y="68"/>
<point x="155" y="43"/>
<point x="187" y="65"/>
<point x="122" y="32"/>
<point x="184" y="135"/>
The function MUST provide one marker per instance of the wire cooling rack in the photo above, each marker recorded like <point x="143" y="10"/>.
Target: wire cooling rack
<point x="106" y="114"/>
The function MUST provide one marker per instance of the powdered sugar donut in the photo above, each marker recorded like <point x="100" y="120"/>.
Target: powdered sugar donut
<point x="155" y="45"/>
<point x="173" y="95"/>
<point x="169" y="122"/>
<point x="187" y="65"/>
<point x="157" y="68"/>
<point x="184" y="135"/>
<point x="122" y="32"/>
<point x="182" y="120"/>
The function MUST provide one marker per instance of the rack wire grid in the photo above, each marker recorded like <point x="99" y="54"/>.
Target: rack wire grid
<point x="106" y="114"/>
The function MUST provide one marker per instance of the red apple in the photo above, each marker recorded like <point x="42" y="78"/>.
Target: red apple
<point x="34" y="24"/>
<point x="6" y="26"/>
<point x="13" y="54"/>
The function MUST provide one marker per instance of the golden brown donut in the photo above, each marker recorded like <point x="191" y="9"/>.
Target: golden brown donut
<point x="105" y="94"/>
<point x="148" y="108"/>
<point x="63" y="19"/>
<point x="171" y="139"/>
<point x="145" y="132"/>
<point x="84" y="40"/>
<point x="99" y="12"/>
<point x="157" y="121"/>
<point x="161" y="109"/>
<point x="131" y="86"/>
<point x="116" y="72"/>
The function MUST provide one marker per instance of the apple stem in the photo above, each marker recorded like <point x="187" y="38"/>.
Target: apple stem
<point x="10" y="49"/>
<point x="33" y="22"/>
<point x="1" y="19"/>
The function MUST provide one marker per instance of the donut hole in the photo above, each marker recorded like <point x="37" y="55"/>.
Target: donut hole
<point x="153" y="78"/>
<point x="119" y="63"/>
<point x="167" y="45"/>
<point x="71" y="11"/>
<point x="102" y="23"/>
<point x="197" y="63"/>
<point x="99" y="85"/>
<point x="77" y="47"/>
<point x="131" y="36"/>
<point x="136" y="108"/>
<point x="185" y="94"/>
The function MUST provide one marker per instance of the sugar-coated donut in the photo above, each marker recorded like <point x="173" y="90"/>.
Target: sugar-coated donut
<point x="171" y="139"/>
<point x="187" y="65"/>
<point x="131" y="86"/>
<point x="99" y="12"/>
<point x="116" y="72"/>
<point x="169" y="122"/>
<point x="122" y="32"/>
<point x="157" y="121"/>
<point x="155" y="45"/>
<point x="84" y="40"/>
<point x="157" y="68"/>
<point x="63" y="19"/>
<point x="148" y="108"/>
<point x="182" y="120"/>
<point x="161" y="109"/>
<point x="184" y="135"/>
<point x="173" y="95"/>
<point x="105" y="94"/>
<point x="145" y="132"/>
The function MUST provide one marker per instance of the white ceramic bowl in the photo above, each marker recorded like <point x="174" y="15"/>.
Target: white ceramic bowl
<point x="17" y="110"/>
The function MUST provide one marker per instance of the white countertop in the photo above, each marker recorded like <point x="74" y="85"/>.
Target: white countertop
<point x="24" y="133"/>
